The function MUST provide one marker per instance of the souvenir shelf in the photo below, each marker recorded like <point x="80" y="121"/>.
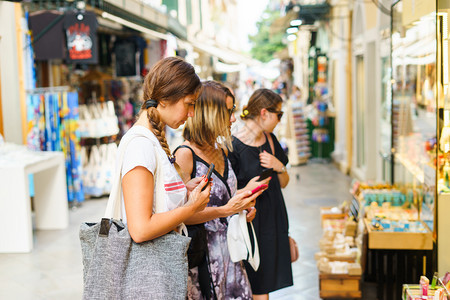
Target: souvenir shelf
<point x="297" y="134"/>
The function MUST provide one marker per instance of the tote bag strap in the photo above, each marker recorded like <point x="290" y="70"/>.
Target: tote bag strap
<point x="114" y="205"/>
<point x="253" y="258"/>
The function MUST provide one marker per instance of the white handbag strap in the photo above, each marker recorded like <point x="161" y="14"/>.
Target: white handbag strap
<point x="253" y="259"/>
<point x="114" y="205"/>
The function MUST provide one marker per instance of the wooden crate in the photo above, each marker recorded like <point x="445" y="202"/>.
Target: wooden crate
<point x="399" y="240"/>
<point x="339" y="286"/>
<point x="326" y="216"/>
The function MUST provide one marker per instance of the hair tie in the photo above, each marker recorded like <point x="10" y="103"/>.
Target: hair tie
<point x="172" y="158"/>
<point x="150" y="103"/>
<point x="244" y="113"/>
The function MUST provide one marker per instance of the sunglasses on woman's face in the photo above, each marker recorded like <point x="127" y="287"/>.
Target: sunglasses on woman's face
<point x="232" y="110"/>
<point x="278" y="112"/>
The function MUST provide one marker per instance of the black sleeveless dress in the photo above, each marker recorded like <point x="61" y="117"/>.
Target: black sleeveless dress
<point x="271" y="221"/>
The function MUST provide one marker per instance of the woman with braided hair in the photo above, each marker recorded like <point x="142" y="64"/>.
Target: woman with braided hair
<point x="170" y="91"/>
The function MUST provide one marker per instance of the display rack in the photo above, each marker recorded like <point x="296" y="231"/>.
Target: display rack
<point x="297" y="134"/>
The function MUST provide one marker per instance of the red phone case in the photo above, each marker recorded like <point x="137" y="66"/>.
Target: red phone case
<point x="258" y="188"/>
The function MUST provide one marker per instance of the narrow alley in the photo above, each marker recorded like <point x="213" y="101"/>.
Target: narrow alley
<point x="42" y="274"/>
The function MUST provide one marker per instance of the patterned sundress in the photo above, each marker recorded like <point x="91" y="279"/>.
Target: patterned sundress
<point x="230" y="279"/>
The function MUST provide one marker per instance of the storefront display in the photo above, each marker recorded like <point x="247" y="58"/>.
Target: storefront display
<point x="321" y="124"/>
<point x="296" y="133"/>
<point x="52" y="118"/>
<point x="437" y="289"/>
<point x="88" y="62"/>
<point x="421" y="115"/>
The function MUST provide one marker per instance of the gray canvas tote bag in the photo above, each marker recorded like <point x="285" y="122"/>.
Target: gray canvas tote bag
<point x="115" y="267"/>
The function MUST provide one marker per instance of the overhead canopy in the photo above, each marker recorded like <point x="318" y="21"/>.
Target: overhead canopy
<point x="226" y="55"/>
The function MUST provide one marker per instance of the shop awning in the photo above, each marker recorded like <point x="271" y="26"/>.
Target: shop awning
<point x="226" y="55"/>
<point x="221" y="67"/>
<point x="151" y="33"/>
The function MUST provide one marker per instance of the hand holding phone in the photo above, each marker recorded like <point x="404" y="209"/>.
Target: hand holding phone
<point x="266" y="173"/>
<point x="208" y="174"/>
<point x="258" y="188"/>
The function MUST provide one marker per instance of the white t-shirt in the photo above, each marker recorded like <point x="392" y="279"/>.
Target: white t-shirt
<point x="140" y="152"/>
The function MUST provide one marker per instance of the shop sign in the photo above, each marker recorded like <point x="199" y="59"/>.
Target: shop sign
<point x="81" y="34"/>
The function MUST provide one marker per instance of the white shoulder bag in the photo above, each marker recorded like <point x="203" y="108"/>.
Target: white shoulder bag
<point x="238" y="240"/>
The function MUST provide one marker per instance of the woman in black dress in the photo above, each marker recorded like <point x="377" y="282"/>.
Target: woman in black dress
<point x="255" y="148"/>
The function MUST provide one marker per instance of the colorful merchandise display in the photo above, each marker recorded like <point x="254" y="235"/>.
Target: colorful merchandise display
<point x="320" y="124"/>
<point x="297" y="134"/>
<point x="438" y="289"/>
<point x="52" y="118"/>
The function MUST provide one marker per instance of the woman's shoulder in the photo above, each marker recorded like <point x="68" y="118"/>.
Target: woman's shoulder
<point x="184" y="151"/>
<point x="141" y="133"/>
<point x="236" y="141"/>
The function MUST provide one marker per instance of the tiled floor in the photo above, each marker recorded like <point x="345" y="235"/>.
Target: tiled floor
<point x="54" y="270"/>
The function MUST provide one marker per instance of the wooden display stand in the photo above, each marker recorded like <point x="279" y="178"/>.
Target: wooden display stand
<point x="325" y="215"/>
<point x="399" y="240"/>
<point x="297" y="136"/>
<point x="340" y="286"/>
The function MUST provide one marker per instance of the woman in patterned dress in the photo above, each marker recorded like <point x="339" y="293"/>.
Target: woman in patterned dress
<point x="207" y="137"/>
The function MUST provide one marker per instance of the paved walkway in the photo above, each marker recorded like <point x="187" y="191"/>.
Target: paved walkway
<point x="54" y="270"/>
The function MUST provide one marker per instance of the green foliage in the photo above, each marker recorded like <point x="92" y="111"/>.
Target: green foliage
<point x="265" y="44"/>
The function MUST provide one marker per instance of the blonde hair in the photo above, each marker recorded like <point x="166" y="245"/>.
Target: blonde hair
<point x="170" y="80"/>
<point x="209" y="126"/>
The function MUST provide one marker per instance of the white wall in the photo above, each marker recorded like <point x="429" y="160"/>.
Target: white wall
<point x="368" y="43"/>
<point x="9" y="74"/>
<point x="338" y="55"/>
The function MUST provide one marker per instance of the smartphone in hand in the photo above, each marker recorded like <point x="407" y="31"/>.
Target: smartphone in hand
<point x="208" y="174"/>
<point x="266" y="173"/>
<point x="258" y="188"/>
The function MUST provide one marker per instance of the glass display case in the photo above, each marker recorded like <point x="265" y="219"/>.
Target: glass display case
<point x="414" y="107"/>
<point x="420" y="113"/>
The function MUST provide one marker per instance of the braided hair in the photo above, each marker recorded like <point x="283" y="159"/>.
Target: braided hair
<point x="170" y="80"/>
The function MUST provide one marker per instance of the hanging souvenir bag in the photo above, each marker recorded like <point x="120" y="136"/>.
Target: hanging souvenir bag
<point x="115" y="267"/>
<point x="86" y="123"/>
<point x="84" y="164"/>
<point x="109" y="154"/>
<point x="97" y="173"/>
<point x="97" y="126"/>
<point x="109" y="115"/>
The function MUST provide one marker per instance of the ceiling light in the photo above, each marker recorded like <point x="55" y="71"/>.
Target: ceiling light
<point x="291" y="37"/>
<point x="292" y="30"/>
<point x="296" y="22"/>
